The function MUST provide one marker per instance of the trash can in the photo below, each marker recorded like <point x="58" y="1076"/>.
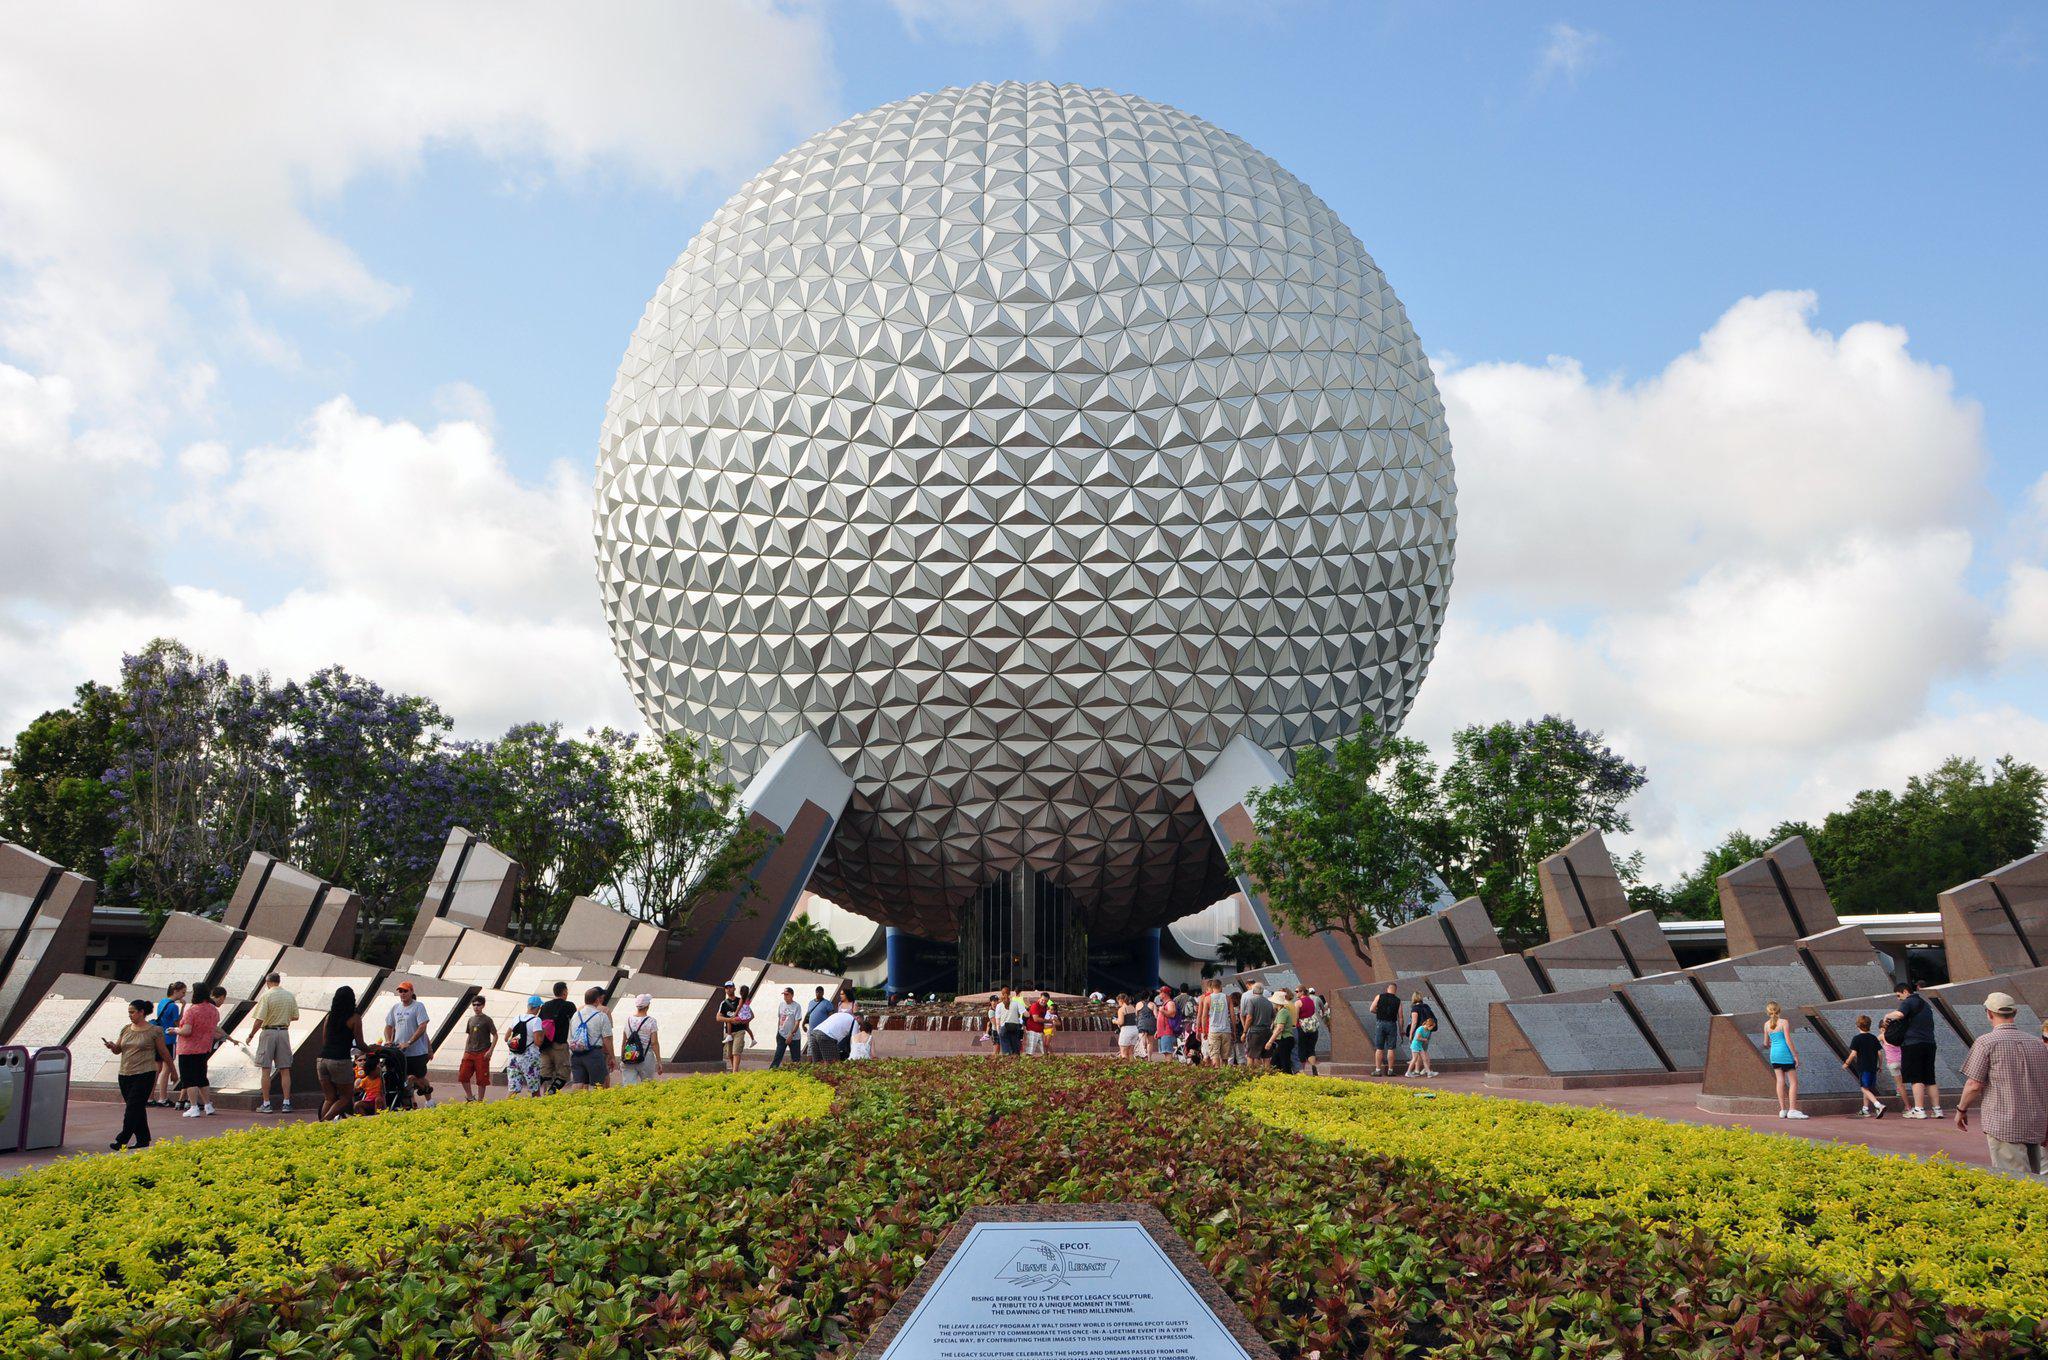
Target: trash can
<point x="49" y="1097"/>
<point x="13" y="1095"/>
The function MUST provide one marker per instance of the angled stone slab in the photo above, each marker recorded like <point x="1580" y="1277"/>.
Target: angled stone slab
<point x="281" y="901"/>
<point x="479" y="959"/>
<point x="538" y="970"/>
<point x="1569" y="1038"/>
<point x="62" y="1009"/>
<point x="1460" y="933"/>
<point x="1965" y="1000"/>
<point x="253" y="960"/>
<point x="1741" y="986"/>
<point x="1774" y="899"/>
<point x="1572" y="963"/>
<point x="1464" y="996"/>
<point x="602" y="934"/>
<point x="1325" y="961"/>
<point x="1738" y="1077"/>
<point x="45" y="918"/>
<point x="188" y="949"/>
<point x="474" y="885"/>
<point x="1846" y="961"/>
<point x="1643" y="942"/>
<point x="797" y="800"/>
<point x="1581" y="890"/>
<point x="1997" y="923"/>
<point x="1673" y="1014"/>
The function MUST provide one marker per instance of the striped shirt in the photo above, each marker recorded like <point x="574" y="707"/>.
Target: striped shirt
<point x="2013" y="1065"/>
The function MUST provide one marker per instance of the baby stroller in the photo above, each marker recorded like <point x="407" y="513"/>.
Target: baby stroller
<point x="380" y="1080"/>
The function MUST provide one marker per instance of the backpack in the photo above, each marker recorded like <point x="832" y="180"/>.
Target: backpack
<point x="547" y="1035"/>
<point x="515" y="1037"/>
<point x="634" y="1046"/>
<point x="1895" y="1032"/>
<point x="579" y="1036"/>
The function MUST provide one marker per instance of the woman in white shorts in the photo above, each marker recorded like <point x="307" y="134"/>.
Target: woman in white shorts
<point x="1126" y="1026"/>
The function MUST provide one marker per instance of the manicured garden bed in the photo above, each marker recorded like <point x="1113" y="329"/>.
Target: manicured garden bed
<point x="795" y="1244"/>
<point x="185" y="1223"/>
<point x="1962" y="1234"/>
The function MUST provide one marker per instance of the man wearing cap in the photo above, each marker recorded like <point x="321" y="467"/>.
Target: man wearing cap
<point x="2008" y="1071"/>
<point x="405" y="1025"/>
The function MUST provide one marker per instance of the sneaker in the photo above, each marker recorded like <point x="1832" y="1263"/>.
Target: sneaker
<point x="192" y="1113"/>
<point x="1781" y="1114"/>
<point x="1937" y="1113"/>
<point x="209" y="1107"/>
<point x="1863" y="1112"/>
<point x="264" y="1108"/>
<point x="1915" y="1112"/>
<point x="117" y="1146"/>
<point x="1877" y="1113"/>
<point x="286" y="1107"/>
<point x="1795" y="1114"/>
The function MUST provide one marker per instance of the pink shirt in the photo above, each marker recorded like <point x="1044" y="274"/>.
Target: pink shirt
<point x="201" y="1022"/>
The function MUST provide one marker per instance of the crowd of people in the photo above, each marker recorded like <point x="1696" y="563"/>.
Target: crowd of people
<point x="1280" y="1028"/>
<point x="2005" y="1076"/>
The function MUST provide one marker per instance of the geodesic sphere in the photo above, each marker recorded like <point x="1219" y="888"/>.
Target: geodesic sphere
<point x="1027" y="442"/>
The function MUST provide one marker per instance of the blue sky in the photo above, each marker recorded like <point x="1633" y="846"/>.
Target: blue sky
<point x="279" y="290"/>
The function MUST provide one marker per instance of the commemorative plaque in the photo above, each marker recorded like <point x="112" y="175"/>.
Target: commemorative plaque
<point x="1064" y="1282"/>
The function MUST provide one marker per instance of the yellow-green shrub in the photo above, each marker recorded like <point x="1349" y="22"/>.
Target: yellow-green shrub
<point x="187" y="1221"/>
<point x="1969" y="1236"/>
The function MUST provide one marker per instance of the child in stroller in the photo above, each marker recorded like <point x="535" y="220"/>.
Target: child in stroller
<point x="380" y="1080"/>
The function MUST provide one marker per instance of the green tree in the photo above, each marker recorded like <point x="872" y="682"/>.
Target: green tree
<point x="550" y="802"/>
<point x="1344" y="845"/>
<point x="1889" y="851"/>
<point x="685" y="838"/>
<point x="1245" y="950"/>
<point x="1515" y="793"/>
<point x="54" y="797"/>
<point x="806" y="944"/>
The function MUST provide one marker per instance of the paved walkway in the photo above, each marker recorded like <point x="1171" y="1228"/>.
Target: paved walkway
<point x="93" y="1124"/>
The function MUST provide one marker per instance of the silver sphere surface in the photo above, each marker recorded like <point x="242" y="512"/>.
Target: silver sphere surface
<point x="1026" y="442"/>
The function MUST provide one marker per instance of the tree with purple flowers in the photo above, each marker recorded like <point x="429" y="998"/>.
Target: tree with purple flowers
<point x="1515" y="793"/>
<point x="548" y="801"/>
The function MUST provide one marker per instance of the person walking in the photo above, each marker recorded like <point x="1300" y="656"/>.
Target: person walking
<point x="789" y="1029"/>
<point x="557" y="1013"/>
<point x="1280" y="1043"/>
<point x="142" y="1051"/>
<point x="405" y="1028"/>
<point x="270" y="1023"/>
<point x="819" y="1007"/>
<point x="522" y="1051"/>
<point x="640" y="1042"/>
<point x="1216" y="1015"/>
<point x="198" y="1031"/>
<point x="1862" y="1062"/>
<point x="1386" y="1030"/>
<point x="479" y="1041"/>
<point x="1009" y="1016"/>
<point x="830" y="1038"/>
<point x="1784" y="1059"/>
<point x="1126" y="1026"/>
<point x="1894" y="1058"/>
<point x="591" y="1059"/>
<point x="2008" y="1072"/>
<point x="1308" y="1032"/>
<point x="165" y="1019"/>
<point x="1916" y="1052"/>
<point x="341" y="1036"/>
<point x="1257" y="1014"/>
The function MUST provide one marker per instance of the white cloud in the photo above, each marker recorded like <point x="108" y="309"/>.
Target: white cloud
<point x="1044" y="22"/>
<point x="1567" y="52"/>
<point x="411" y="555"/>
<point x="148" y="148"/>
<point x="1752" y="570"/>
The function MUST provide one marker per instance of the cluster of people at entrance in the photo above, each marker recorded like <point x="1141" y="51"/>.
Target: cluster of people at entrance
<point x="1279" y="1028"/>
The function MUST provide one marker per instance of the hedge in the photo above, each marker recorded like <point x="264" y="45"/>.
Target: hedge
<point x="1964" y="1235"/>
<point x="184" y="1223"/>
<point x="795" y="1244"/>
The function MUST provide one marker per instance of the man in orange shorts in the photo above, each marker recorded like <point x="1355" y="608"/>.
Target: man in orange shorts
<point x="479" y="1037"/>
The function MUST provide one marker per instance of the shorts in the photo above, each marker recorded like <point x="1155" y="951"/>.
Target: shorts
<point x="1419" y="1044"/>
<point x="192" y="1069"/>
<point x="1305" y="1045"/>
<point x="1385" y="1035"/>
<point x="1867" y="1080"/>
<point x="476" y="1067"/>
<point x="1216" y="1048"/>
<point x="2013" y="1159"/>
<point x="736" y="1044"/>
<point x="1255" y="1041"/>
<point x="589" y="1067"/>
<point x="1916" y="1064"/>
<point x="416" y="1065"/>
<point x="1785" y="1067"/>
<point x="1127" y="1037"/>
<point x="1166" y="1043"/>
<point x="554" y="1065"/>
<point x="1034" y="1041"/>
<point x="336" y="1072"/>
<point x="273" y="1050"/>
